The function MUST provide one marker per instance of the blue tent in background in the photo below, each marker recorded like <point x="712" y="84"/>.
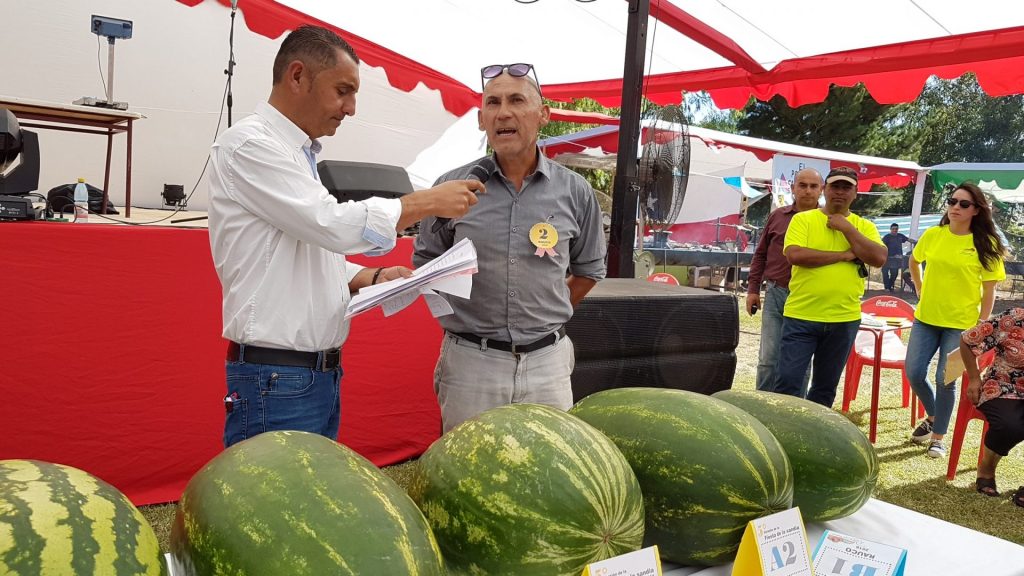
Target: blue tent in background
<point x="926" y="222"/>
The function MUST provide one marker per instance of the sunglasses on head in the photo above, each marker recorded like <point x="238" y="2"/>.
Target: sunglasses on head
<point x="517" y="70"/>
<point x="965" y="204"/>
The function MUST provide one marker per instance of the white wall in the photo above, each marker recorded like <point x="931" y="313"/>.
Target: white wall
<point x="172" y="71"/>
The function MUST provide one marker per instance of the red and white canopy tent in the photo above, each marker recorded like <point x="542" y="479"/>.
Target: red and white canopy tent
<point x="734" y="49"/>
<point x="598" y="148"/>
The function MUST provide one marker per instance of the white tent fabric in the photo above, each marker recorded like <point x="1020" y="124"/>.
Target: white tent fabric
<point x="172" y="71"/>
<point x="571" y="41"/>
<point x="713" y="150"/>
<point x="709" y="197"/>
<point x="704" y="158"/>
<point x="1011" y="196"/>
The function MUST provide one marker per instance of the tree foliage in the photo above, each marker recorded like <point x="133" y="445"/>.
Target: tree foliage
<point x="840" y="123"/>
<point x="600" y="180"/>
<point x="952" y="121"/>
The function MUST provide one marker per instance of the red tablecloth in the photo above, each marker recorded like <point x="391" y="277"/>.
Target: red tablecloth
<point x="111" y="358"/>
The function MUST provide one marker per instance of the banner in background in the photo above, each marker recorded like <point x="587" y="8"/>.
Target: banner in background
<point x="784" y="169"/>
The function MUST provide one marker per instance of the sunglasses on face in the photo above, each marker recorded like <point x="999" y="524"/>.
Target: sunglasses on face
<point x="965" y="204"/>
<point x="515" y="70"/>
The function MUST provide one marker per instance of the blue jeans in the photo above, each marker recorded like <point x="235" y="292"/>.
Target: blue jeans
<point x="771" y="335"/>
<point x="889" y="277"/>
<point x="938" y="400"/>
<point x="267" y="397"/>
<point x="829" y="343"/>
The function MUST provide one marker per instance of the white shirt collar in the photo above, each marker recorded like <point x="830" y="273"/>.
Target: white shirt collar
<point x="290" y="132"/>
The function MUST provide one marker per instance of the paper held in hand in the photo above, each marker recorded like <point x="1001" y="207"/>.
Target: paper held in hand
<point x="954" y="365"/>
<point x="451" y="273"/>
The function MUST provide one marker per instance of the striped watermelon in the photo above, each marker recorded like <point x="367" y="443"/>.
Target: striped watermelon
<point x="297" y="503"/>
<point x="56" y="519"/>
<point x="834" y="466"/>
<point x="528" y="490"/>
<point x="706" y="468"/>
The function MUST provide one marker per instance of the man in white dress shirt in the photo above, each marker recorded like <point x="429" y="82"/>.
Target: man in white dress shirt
<point x="279" y="241"/>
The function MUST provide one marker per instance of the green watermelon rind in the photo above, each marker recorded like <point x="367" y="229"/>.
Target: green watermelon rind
<point x="55" y="519"/>
<point x="296" y="503"/>
<point x="835" y="467"/>
<point x="705" y="467"/>
<point x="528" y="490"/>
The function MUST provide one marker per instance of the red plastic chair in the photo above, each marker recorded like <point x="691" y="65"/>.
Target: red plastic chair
<point x="894" y="352"/>
<point x="966" y="412"/>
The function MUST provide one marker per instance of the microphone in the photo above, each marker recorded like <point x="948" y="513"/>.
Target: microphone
<point x="234" y="4"/>
<point x="480" y="172"/>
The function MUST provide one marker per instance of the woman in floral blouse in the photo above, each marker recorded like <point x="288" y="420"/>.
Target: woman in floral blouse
<point x="999" y="395"/>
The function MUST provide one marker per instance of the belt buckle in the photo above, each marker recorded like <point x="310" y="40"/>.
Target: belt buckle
<point x="325" y="356"/>
<point x="513" y="348"/>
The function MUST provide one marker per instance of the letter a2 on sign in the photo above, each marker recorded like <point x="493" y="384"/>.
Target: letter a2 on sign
<point x="774" y="545"/>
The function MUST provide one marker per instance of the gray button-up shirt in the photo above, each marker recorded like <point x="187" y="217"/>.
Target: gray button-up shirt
<point x="517" y="296"/>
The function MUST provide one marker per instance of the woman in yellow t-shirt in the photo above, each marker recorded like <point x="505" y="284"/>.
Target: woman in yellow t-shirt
<point x="963" y="259"/>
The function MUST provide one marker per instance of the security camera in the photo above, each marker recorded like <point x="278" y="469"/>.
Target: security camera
<point x="111" y="27"/>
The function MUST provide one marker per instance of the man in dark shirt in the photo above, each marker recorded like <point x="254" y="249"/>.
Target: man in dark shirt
<point x="769" y="265"/>
<point x="894" y="262"/>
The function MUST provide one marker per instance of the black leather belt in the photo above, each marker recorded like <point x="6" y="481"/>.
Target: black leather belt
<point x="320" y="361"/>
<point x="514" y="348"/>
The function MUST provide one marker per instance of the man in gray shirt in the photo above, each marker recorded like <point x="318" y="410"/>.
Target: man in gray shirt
<point x="540" y="249"/>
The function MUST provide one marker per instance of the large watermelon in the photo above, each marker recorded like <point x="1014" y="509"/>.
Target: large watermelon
<point x="706" y="468"/>
<point x="834" y="466"/>
<point x="297" y="503"/>
<point x="58" y="520"/>
<point x="528" y="490"/>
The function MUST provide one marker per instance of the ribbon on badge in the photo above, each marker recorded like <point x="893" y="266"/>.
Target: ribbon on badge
<point x="544" y="237"/>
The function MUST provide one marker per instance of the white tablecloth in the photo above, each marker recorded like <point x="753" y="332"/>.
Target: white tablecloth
<point x="934" y="547"/>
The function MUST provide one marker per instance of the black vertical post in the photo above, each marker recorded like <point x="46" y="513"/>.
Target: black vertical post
<point x="626" y="192"/>
<point x="230" y="71"/>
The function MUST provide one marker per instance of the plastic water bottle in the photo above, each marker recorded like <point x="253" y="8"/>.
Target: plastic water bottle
<point x="81" y="202"/>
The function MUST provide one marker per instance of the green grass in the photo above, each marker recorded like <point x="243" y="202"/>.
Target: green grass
<point x="908" y="478"/>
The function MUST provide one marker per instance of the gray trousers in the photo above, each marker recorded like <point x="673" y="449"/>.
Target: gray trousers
<point x="469" y="379"/>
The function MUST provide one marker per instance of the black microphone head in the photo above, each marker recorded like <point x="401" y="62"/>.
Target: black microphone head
<point x="481" y="171"/>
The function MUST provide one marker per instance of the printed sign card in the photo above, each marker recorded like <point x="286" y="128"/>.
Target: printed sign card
<point x="645" y="562"/>
<point x="774" y="545"/>
<point x="841" y="555"/>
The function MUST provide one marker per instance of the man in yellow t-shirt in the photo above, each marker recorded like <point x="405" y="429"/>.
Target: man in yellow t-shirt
<point x="828" y="248"/>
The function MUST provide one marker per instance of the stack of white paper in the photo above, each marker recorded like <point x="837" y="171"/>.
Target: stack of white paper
<point x="451" y="272"/>
<point x="871" y="321"/>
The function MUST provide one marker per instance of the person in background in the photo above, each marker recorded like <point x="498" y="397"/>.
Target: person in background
<point x="964" y="258"/>
<point x="827" y="248"/>
<point x="540" y="248"/>
<point x="768" y="264"/>
<point x="278" y="241"/>
<point x="999" y="395"/>
<point x="894" y="261"/>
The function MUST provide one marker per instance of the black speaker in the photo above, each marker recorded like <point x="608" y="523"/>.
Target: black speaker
<point x="630" y="333"/>
<point x="24" y="177"/>
<point x="361" y="180"/>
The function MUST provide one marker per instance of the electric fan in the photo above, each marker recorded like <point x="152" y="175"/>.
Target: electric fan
<point x="662" y="176"/>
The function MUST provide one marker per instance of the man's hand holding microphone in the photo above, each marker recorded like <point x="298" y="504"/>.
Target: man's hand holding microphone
<point x="450" y="199"/>
<point x="447" y="200"/>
